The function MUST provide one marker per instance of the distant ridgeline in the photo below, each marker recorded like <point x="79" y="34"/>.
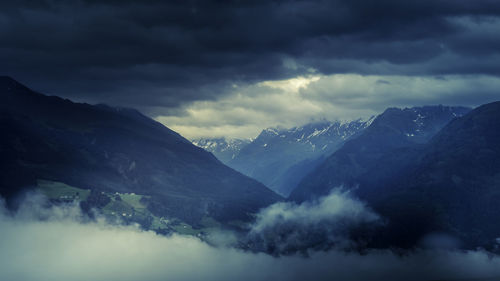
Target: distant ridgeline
<point x="116" y="160"/>
<point x="279" y="157"/>
<point x="224" y="149"/>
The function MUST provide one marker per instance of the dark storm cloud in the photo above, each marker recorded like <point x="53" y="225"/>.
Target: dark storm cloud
<point x="164" y="53"/>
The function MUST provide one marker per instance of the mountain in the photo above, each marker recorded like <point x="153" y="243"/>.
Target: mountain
<point x="111" y="153"/>
<point x="448" y="184"/>
<point x="393" y="131"/>
<point x="279" y="157"/>
<point x="224" y="149"/>
<point x="452" y="186"/>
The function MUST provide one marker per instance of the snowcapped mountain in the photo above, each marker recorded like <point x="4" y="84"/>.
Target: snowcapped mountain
<point x="224" y="149"/>
<point x="280" y="157"/>
<point x="393" y="130"/>
<point x="313" y="138"/>
<point x="417" y="124"/>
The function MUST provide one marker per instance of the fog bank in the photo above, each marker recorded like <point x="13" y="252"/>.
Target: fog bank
<point x="60" y="245"/>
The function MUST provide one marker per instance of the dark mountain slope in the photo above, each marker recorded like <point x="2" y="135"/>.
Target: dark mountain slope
<point x="114" y="149"/>
<point x="453" y="186"/>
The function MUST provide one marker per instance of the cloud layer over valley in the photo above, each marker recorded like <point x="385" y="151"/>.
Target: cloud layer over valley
<point x="59" y="245"/>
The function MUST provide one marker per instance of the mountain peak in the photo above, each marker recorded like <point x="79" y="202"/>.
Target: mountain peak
<point x="8" y="84"/>
<point x="419" y="123"/>
<point x="4" y="78"/>
<point x="489" y="106"/>
<point x="482" y="121"/>
<point x="225" y="149"/>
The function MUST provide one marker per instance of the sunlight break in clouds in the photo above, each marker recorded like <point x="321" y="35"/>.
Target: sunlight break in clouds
<point x="294" y="102"/>
<point x="291" y="85"/>
<point x="249" y="109"/>
<point x="62" y="247"/>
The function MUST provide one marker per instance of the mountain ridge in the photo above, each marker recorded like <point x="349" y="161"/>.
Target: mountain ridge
<point x="117" y="150"/>
<point x="393" y="129"/>
<point x="447" y="185"/>
<point x="225" y="149"/>
<point x="279" y="157"/>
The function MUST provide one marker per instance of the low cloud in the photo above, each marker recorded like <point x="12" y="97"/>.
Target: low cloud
<point x="61" y="246"/>
<point x="287" y="227"/>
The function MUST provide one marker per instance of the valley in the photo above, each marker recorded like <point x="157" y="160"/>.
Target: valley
<point x="123" y="209"/>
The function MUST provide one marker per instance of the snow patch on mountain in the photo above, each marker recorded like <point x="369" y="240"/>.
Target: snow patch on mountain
<point x="273" y="157"/>
<point x="225" y="149"/>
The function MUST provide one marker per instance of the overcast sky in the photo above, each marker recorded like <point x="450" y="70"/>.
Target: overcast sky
<point x="231" y="68"/>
